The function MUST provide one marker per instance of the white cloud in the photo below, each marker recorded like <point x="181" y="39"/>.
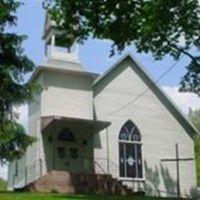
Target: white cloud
<point x="182" y="99"/>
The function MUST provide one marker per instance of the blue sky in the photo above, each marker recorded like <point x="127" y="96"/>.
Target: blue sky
<point x="94" y="54"/>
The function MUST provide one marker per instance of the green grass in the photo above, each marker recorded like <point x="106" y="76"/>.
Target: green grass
<point x="35" y="196"/>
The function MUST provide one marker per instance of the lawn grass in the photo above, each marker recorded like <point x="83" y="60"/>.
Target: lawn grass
<point x="36" y="196"/>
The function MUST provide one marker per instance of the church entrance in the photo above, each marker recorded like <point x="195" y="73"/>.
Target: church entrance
<point x="66" y="150"/>
<point x="68" y="143"/>
<point x="72" y="153"/>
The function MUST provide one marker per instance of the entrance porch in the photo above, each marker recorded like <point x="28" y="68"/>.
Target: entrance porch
<point x="69" y="164"/>
<point x="68" y="143"/>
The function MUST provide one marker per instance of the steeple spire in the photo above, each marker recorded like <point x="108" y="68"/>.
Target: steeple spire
<point x="56" y="53"/>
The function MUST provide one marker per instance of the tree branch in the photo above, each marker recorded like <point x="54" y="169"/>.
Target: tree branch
<point x="180" y="49"/>
<point x="186" y="53"/>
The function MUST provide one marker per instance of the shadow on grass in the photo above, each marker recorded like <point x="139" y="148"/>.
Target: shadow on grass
<point x="96" y="197"/>
<point x="44" y="196"/>
<point x="7" y="192"/>
<point x="73" y="196"/>
<point x="110" y="197"/>
<point x="88" y="197"/>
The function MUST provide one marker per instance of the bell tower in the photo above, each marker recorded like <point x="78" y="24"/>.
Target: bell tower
<point x="58" y="55"/>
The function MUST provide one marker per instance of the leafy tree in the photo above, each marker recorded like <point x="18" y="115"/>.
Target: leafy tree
<point x="3" y="184"/>
<point x="160" y="27"/>
<point x="194" y="116"/>
<point x="14" y="90"/>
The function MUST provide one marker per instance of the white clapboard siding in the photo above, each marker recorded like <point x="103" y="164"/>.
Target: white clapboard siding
<point x="67" y="95"/>
<point x="159" y="129"/>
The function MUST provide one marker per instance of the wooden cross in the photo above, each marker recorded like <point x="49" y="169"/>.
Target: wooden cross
<point x="177" y="160"/>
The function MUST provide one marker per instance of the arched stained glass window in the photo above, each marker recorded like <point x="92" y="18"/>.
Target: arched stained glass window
<point x="66" y="135"/>
<point x="129" y="132"/>
<point x="130" y="151"/>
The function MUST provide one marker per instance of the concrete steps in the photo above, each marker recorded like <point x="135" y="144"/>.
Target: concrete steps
<point x="71" y="183"/>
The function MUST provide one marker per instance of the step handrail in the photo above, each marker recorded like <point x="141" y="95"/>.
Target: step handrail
<point x="24" y="173"/>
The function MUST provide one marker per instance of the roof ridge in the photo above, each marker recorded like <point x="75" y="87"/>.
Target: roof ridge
<point x="169" y="104"/>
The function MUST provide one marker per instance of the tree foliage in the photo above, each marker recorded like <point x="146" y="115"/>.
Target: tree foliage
<point x="160" y="27"/>
<point x="194" y="116"/>
<point x="14" y="64"/>
<point x="3" y="184"/>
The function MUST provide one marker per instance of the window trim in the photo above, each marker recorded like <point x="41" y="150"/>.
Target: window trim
<point x="122" y="141"/>
<point x="16" y="168"/>
<point x="132" y="142"/>
<point x="131" y="179"/>
<point x="62" y="133"/>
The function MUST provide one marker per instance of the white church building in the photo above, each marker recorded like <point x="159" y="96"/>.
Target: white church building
<point x="117" y="132"/>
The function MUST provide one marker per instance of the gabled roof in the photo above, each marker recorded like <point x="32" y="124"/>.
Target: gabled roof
<point x="163" y="97"/>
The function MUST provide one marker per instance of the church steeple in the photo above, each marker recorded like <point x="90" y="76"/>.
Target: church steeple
<point x="56" y="53"/>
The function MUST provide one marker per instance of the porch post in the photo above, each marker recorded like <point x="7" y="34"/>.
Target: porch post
<point x="108" y="159"/>
<point x="54" y="155"/>
<point x="26" y="175"/>
<point x="54" y="147"/>
<point x="40" y="162"/>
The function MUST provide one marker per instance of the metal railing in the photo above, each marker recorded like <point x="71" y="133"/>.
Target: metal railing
<point x="29" y="173"/>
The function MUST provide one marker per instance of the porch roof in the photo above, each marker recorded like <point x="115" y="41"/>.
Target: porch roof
<point x="95" y="125"/>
